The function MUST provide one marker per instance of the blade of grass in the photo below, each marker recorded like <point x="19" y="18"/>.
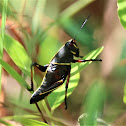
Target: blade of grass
<point x="39" y="9"/>
<point x="14" y="74"/>
<point x="29" y="122"/>
<point x="74" y="8"/>
<point x="18" y="54"/>
<point x="94" y="102"/>
<point x="5" y="123"/>
<point x="4" y="11"/>
<point x="47" y="111"/>
<point x="24" y="120"/>
<point x="56" y="120"/>
<point x="124" y="97"/>
<point x="121" y="12"/>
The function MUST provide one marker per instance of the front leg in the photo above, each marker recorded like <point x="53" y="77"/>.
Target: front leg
<point x="80" y="61"/>
<point x="41" y="68"/>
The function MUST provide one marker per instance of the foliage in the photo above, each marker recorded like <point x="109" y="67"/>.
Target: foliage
<point x="47" y="42"/>
<point x="94" y="103"/>
<point x="4" y="11"/>
<point x="122" y="16"/>
<point x="121" y="12"/>
<point x="56" y="97"/>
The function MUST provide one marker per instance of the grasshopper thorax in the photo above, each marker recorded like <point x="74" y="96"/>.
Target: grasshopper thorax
<point x="72" y="46"/>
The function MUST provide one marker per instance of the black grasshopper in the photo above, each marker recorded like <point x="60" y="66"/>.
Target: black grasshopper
<point x="57" y="70"/>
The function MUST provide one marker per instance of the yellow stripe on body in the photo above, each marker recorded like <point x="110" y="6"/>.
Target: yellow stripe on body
<point x="73" y="52"/>
<point x="75" y="46"/>
<point x="60" y="81"/>
<point x="37" y="65"/>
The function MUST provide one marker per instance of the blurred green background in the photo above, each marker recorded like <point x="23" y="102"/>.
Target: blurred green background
<point x="42" y="27"/>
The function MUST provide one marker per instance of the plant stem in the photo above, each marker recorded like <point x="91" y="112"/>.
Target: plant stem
<point x="47" y="111"/>
<point x="4" y="11"/>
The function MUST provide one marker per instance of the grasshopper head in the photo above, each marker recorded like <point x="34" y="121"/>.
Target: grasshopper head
<point x="72" y="46"/>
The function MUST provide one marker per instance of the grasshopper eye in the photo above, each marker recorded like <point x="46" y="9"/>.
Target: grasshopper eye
<point x="71" y="42"/>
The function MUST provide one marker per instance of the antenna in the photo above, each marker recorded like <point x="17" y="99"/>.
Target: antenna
<point x="82" y="26"/>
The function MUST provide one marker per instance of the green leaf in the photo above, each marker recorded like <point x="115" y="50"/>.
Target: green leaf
<point x="26" y="120"/>
<point x="77" y="67"/>
<point x="124" y="97"/>
<point x="4" y="11"/>
<point x="57" y="96"/>
<point x="36" y="19"/>
<point x="48" y="47"/>
<point x="14" y="74"/>
<point x="18" y="54"/>
<point x="94" y="102"/>
<point x="100" y="122"/>
<point x="29" y="122"/>
<point x="74" y="8"/>
<point x="122" y="12"/>
<point x="5" y="123"/>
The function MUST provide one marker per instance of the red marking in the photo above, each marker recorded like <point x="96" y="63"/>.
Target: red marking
<point x="73" y="40"/>
<point x="79" y="61"/>
<point x="68" y="80"/>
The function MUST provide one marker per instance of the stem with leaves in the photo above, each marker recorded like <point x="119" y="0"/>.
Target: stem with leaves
<point x="4" y="11"/>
